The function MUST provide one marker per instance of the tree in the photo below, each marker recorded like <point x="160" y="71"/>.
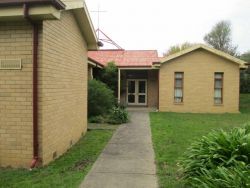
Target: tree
<point x="245" y="74"/>
<point x="220" y="38"/>
<point x="246" y="56"/>
<point x="177" y="48"/>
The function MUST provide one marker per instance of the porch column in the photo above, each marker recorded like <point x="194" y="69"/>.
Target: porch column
<point x="119" y="86"/>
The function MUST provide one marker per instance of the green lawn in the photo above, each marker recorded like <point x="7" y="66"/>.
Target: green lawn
<point x="67" y="171"/>
<point x="173" y="132"/>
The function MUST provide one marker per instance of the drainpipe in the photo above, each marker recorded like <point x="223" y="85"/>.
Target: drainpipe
<point x="35" y="87"/>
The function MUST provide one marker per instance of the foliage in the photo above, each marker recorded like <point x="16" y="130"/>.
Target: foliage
<point x="177" y="48"/>
<point x="118" y="115"/>
<point x="96" y="119"/>
<point x="66" y="171"/>
<point x="220" y="38"/>
<point x="237" y="176"/>
<point x="109" y="76"/>
<point x="245" y="74"/>
<point x="246" y="56"/>
<point x="172" y="133"/>
<point x="100" y="98"/>
<point x="220" y="159"/>
<point x="245" y="81"/>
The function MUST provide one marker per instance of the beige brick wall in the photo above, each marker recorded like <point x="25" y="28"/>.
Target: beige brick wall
<point x="63" y="86"/>
<point x="90" y="72"/>
<point x="16" y="95"/>
<point x="153" y="88"/>
<point x="199" y="67"/>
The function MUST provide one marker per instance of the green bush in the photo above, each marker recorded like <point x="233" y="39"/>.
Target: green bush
<point x="224" y="177"/>
<point x="96" y="119"/>
<point x="220" y="159"/>
<point x="109" y="76"/>
<point x="118" y="115"/>
<point x="245" y="81"/>
<point x="100" y="98"/>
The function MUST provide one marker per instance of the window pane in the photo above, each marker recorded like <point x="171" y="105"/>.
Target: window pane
<point x="178" y="83"/>
<point x="131" y="98"/>
<point x="218" y="75"/>
<point x="178" y="92"/>
<point x="217" y="93"/>
<point x="131" y="86"/>
<point x="142" y="87"/>
<point x="177" y="99"/>
<point x="218" y="83"/>
<point x="178" y="75"/>
<point x="142" y="99"/>
<point x="217" y="100"/>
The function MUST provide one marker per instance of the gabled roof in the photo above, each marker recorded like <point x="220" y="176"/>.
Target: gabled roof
<point x="241" y="63"/>
<point x="125" y="58"/>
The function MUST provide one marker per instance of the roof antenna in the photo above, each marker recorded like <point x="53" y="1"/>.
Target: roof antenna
<point x="104" y="38"/>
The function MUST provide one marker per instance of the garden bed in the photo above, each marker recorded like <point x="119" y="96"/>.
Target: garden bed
<point x="172" y="134"/>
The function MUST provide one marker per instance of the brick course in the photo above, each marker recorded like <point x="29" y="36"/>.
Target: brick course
<point x="199" y="67"/>
<point x="16" y="95"/>
<point x="63" y="81"/>
<point x="62" y="90"/>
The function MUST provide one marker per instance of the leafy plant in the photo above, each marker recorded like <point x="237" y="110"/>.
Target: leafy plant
<point x="100" y="98"/>
<point x="109" y="76"/>
<point x="233" y="177"/>
<point x="118" y="115"/>
<point x="220" y="159"/>
<point x="96" y="119"/>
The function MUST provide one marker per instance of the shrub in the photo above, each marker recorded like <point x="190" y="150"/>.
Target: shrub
<point x="100" y="98"/>
<point x="237" y="176"/>
<point x="220" y="159"/>
<point x="245" y="81"/>
<point x="109" y="76"/>
<point x="118" y="115"/>
<point x="96" y="119"/>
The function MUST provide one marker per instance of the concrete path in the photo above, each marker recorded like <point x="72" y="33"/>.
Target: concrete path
<point x="128" y="159"/>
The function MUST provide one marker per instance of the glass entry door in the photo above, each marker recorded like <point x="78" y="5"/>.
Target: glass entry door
<point x="137" y="92"/>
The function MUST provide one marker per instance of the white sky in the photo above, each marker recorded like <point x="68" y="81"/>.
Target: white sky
<point x="158" y="24"/>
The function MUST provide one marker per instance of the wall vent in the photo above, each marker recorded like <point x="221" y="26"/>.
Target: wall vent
<point x="10" y="64"/>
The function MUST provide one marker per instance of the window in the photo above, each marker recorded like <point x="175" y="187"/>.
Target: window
<point x="178" y="87"/>
<point x="218" y="88"/>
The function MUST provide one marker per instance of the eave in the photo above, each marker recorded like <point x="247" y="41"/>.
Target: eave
<point x="84" y="21"/>
<point x="15" y="13"/>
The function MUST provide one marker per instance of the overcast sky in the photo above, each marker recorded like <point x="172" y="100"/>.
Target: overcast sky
<point x="158" y="24"/>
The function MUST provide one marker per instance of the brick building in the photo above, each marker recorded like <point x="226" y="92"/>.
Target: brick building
<point x="198" y="80"/>
<point x="43" y="78"/>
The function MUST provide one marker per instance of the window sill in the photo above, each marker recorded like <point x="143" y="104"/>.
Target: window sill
<point x="218" y="105"/>
<point x="178" y="103"/>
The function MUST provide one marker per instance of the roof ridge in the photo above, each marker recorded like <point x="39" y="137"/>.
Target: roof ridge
<point x="207" y="48"/>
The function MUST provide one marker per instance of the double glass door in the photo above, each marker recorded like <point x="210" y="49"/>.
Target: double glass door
<point x="137" y="92"/>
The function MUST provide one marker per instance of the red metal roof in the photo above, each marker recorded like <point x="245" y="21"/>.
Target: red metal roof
<point x="125" y="58"/>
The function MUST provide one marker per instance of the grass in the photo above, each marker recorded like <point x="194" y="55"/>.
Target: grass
<point x="172" y="133"/>
<point x="67" y="171"/>
<point x="245" y="103"/>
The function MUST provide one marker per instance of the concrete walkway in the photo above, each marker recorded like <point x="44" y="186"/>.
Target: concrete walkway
<point x="128" y="159"/>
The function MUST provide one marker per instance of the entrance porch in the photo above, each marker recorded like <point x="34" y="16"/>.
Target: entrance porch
<point x="138" y="87"/>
